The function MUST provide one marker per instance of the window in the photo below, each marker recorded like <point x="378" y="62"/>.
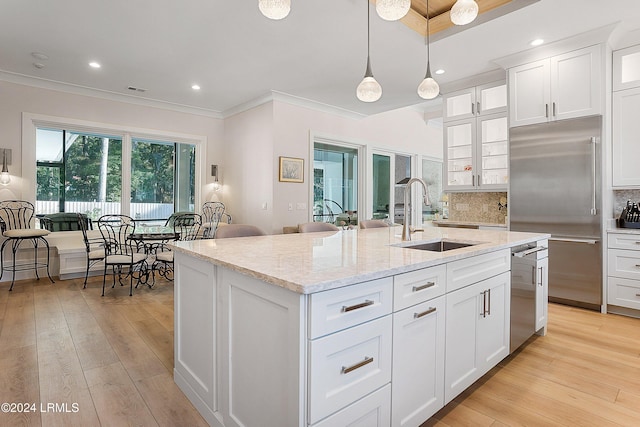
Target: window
<point x="83" y="172"/>
<point x="335" y="183"/>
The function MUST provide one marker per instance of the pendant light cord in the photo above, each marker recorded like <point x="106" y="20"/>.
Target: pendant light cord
<point x="368" y="29"/>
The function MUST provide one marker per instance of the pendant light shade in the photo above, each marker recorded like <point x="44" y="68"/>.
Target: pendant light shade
<point x="275" y="9"/>
<point x="392" y="10"/>
<point x="464" y="12"/>
<point x="428" y="88"/>
<point x="369" y="90"/>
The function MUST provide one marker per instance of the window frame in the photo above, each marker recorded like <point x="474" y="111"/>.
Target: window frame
<point x="30" y="122"/>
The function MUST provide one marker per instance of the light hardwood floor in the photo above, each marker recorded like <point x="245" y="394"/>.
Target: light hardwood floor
<point x="113" y="357"/>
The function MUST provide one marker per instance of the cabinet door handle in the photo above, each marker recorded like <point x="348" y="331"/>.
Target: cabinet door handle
<point x="356" y="306"/>
<point x="489" y="304"/>
<point x="473" y="180"/>
<point x="546" y="110"/>
<point x="424" y="313"/>
<point x="422" y="287"/>
<point x="473" y="109"/>
<point x="484" y="304"/>
<point x="541" y="272"/>
<point x="554" y="109"/>
<point x="479" y="181"/>
<point x="347" y="369"/>
<point x="478" y="107"/>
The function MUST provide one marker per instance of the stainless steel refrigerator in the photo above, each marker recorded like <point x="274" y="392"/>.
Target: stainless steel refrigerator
<point x="554" y="188"/>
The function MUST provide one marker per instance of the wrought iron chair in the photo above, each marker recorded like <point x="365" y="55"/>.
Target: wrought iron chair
<point x="121" y="252"/>
<point x="212" y="214"/>
<point x="94" y="246"/>
<point x="16" y="217"/>
<point x="238" y="230"/>
<point x="187" y="227"/>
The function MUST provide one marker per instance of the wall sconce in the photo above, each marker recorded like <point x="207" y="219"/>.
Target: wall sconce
<point x="5" y="178"/>
<point x="216" y="182"/>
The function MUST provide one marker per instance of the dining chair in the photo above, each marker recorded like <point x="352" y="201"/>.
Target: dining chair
<point x="238" y="230"/>
<point x="121" y="252"/>
<point x="373" y="223"/>
<point x="312" y="227"/>
<point x="212" y="214"/>
<point x="16" y="217"/>
<point x="187" y="227"/>
<point x="93" y="245"/>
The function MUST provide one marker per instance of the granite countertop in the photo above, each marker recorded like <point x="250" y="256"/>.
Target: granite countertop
<point x="312" y="262"/>
<point x="468" y="223"/>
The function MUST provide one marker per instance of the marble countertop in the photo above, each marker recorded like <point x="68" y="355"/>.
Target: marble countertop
<point x="312" y="262"/>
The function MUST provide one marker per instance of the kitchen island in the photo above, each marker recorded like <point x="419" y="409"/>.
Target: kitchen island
<point x="322" y="329"/>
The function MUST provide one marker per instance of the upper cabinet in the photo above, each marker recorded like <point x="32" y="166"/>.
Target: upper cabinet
<point x="475" y="138"/>
<point x="475" y="101"/>
<point x="561" y="87"/>
<point x="626" y="126"/>
<point x="626" y="68"/>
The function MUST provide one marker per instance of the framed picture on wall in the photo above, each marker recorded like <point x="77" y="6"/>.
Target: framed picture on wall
<point x="291" y="169"/>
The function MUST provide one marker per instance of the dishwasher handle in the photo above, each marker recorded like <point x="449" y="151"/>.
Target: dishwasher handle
<point x="531" y="251"/>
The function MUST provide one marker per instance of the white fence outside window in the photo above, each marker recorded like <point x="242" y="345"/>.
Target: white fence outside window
<point x="96" y="209"/>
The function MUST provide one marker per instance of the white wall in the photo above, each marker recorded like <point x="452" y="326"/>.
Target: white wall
<point x="17" y="98"/>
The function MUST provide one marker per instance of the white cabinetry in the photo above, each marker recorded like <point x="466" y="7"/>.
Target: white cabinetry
<point x="475" y="101"/>
<point x="477" y="331"/>
<point x="476" y="155"/>
<point x="626" y="68"/>
<point x="626" y="126"/>
<point x="418" y="346"/>
<point x="623" y="282"/>
<point x="556" y="88"/>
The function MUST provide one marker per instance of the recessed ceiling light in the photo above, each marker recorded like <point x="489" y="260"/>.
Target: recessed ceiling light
<point x="195" y="87"/>
<point x="536" y="42"/>
<point x="440" y="71"/>
<point x="94" y="64"/>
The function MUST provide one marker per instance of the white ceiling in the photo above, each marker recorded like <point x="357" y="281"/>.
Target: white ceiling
<point x="237" y="55"/>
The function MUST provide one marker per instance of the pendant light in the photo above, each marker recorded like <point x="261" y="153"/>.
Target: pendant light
<point x="464" y="12"/>
<point x="429" y="88"/>
<point x="275" y="9"/>
<point x="369" y="90"/>
<point x="392" y="10"/>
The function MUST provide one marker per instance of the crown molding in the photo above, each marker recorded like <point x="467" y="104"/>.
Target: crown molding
<point x="103" y="94"/>
<point x="275" y="95"/>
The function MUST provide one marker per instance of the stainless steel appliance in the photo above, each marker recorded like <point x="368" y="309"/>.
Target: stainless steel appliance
<point x="555" y="188"/>
<point x="527" y="272"/>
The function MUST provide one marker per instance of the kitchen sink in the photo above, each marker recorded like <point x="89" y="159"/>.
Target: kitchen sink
<point x="436" y="246"/>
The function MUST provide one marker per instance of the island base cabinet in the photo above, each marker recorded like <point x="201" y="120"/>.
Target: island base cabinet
<point x="477" y="331"/>
<point x="262" y="348"/>
<point x="418" y="363"/>
<point x="195" y="344"/>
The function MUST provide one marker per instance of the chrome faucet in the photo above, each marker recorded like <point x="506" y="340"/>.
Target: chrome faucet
<point x="406" y="232"/>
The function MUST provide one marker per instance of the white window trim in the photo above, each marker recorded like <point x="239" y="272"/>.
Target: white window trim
<point x="30" y="122"/>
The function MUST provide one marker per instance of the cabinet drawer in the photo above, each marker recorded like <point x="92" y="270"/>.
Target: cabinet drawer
<point x="371" y="411"/>
<point x="471" y="270"/>
<point x="624" y="292"/>
<point x="348" y="365"/>
<point x="624" y="263"/>
<point x="418" y="286"/>
<point x="338" y="309"/>
<point x="624" y="241"/>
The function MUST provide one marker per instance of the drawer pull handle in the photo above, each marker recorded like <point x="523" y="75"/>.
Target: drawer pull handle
<point x="424" y="313"/>
<point x="422" y="287"/>
<point x="638" y="295"/>
<point x="347" y="369"/>
<point x="357" y="306"/>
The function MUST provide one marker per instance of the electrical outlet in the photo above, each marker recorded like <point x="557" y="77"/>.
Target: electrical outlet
<point x="290" y="206"/>
<point x="264" y="206"/>
<point x="462" y="206"/>
<point x="485" y="208"/>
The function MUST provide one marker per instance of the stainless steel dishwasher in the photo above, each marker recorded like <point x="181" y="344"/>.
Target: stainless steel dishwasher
<point x="525" y="278"/>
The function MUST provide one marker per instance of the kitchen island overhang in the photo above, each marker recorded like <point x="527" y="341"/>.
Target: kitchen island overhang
<point x="253" y="317"/>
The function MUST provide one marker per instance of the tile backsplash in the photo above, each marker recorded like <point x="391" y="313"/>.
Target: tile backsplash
<point x="477" y="207"/>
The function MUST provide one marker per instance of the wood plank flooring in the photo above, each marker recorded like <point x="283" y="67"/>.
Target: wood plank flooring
<point x="112" y="357"/>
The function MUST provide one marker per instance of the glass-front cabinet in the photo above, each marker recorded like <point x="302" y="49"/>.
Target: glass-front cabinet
<point x="476" y="154"/>
<point x="476" y="101"/>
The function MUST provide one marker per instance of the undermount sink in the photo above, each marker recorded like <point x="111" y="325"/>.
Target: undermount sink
<point x="437" y="246"/>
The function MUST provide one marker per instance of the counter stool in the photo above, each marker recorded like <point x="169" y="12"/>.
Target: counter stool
<point x="15" y="220"/>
